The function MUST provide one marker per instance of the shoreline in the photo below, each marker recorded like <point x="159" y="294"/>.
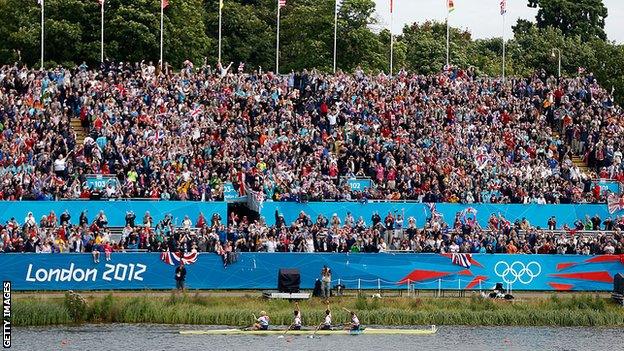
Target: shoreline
<point x="190" y="308"/>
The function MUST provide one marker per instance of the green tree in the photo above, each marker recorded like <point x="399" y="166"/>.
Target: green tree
<point x="72" y="31"/>
<point x="357" y="44"/>
<point x="19" y="30"/>
<point x="307" y="35"/>
<point x="426" y="47"/>
<point x="585" y="18"/>
<point x="246" y="37"/>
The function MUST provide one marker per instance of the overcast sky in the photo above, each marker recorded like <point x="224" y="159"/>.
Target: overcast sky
<point x="481" y="17"/>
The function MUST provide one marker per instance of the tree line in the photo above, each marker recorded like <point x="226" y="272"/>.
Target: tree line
<point x="191" y="29"/>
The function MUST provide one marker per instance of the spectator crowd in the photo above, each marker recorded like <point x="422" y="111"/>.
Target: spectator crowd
<point x="452" y="137"/>
<point x="391" y="232"/>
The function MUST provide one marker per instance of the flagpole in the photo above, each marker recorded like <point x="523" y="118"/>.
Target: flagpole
<point x="504" y="15"/>
<point x="278" y="37"/>
<point x="102" y="32"/>
<point x="220" y="2"/>
<point x="162" y="14"/>
<point x="42" y="30"/>
<point x="335" y="32"/>
<point x="391" y="36"/>
<point x="447" y="34"/>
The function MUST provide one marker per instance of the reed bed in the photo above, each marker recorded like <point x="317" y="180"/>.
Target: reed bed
<point x="583" y="310"/>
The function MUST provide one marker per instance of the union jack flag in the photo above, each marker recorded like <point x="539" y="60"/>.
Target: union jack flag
<point x="462" y="259"/>
<point x="615" y="203"/>
<point x="174" y="258"/>
<point x="197" y="110"/>
<point x="432" y="207"/>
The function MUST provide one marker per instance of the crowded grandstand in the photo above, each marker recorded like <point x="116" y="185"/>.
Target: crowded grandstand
<point x="455" y="137"/>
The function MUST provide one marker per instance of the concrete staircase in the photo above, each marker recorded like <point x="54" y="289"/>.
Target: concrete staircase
<point x="81" y="134"/>
<point x="576" y="160"/>
<point x="580" y="163"/>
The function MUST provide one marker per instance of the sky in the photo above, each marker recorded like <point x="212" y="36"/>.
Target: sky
<point x="481" y="17"/>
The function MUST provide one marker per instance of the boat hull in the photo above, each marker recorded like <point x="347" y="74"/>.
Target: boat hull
<point x="367" y="331"/>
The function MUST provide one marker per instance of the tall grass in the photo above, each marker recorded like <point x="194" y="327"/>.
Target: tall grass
<point x="238" y="311"/>
<point x="39" y="312"/>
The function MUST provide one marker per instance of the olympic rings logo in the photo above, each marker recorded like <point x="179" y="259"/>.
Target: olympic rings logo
<point x="517" y="271"/>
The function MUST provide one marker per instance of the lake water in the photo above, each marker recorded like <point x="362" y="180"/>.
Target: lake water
<point x="133" y="337"/>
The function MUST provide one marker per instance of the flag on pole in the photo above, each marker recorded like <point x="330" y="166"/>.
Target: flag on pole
<point x="220" y="4"/>
<point x="282" y="3"/>
<point x="164" y="3"/>
<point x="100" y="2"/>
<point x="338" y="5"/>
<point x="391" y="6"/>
<point x="450" y="5"/>
<point x="503" y="7"/>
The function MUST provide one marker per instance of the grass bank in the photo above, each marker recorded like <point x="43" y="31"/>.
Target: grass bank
<point x="584" y="310"/>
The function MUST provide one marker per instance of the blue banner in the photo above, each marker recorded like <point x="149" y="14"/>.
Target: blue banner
<point x="230" y="194"/>
<point x="537" y="215"/>
<point x="366" y="271"/>
<point x="610" y="185"/>
<point x="100" y="181"/>
<point x="359" y="184"/>
<point x="115" y="210"/>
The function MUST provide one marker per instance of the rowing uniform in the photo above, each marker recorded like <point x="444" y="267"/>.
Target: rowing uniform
<point x="355" y="323"/>
<point x="297" y="321"/>
<point x="264" y="322"/>
<point x="327" y="323"/>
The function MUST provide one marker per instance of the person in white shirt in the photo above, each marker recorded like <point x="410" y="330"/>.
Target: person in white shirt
<point x="297" y="322"/>
<point x="355" y="321"/>
<point x="382" y="247"/>
<point x="30" y="220"/>
<point x="262" y="323"/>
<point x="270" y="244"/>
<point x="327" y="323"/>
<point x="60" y="165"/>
<point x="454" y="248"/>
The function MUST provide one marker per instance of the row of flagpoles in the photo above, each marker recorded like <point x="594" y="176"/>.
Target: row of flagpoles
<point x="450" y="6"/>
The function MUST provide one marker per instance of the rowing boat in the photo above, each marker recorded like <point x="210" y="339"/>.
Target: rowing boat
<point x="375" y="331"/>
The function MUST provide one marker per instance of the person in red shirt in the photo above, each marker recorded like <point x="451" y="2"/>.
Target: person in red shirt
<point x="108" y="249"/>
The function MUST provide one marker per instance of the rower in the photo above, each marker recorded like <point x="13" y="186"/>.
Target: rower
<point x="296" y="325"/>
<point x="262" y="323"/>
<point x="355" y="321"/>
<point x="328" y="320"/>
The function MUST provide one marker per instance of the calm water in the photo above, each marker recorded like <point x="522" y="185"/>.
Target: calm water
<point x="155" y="337"/>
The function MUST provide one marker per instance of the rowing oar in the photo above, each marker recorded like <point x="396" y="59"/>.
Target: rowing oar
<point x="317" y="329"/>
<point x="349" y="324"/>
<point x="251" y="327"/>
<point x="286" y="331"/>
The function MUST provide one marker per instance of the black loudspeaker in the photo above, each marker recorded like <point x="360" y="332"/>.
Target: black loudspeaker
<point x="618" y="283"/>
<point x="288" y="280"/>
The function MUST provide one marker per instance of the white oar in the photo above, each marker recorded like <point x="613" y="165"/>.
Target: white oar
<point x="317" y="329"/>
<point x="286" y="331"/>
